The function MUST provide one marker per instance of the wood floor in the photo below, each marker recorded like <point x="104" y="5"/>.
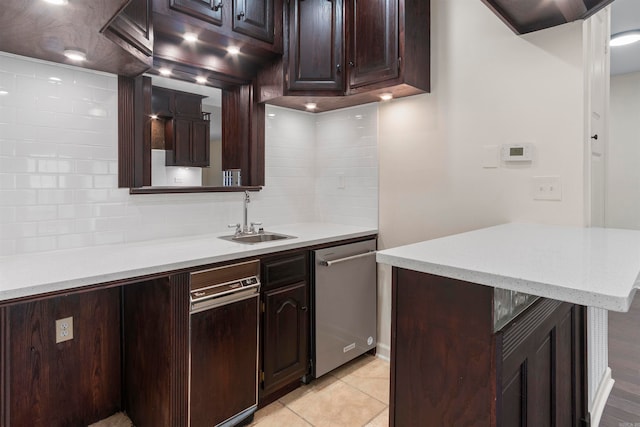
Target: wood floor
<point x="623" y="406"/>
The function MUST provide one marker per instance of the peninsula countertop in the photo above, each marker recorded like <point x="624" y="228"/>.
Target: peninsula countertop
<point x="597" y="267"/>
<point x="28" y="275"/>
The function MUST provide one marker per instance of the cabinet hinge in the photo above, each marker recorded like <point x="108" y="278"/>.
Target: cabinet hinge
<point x="261" y="376"/>
<point x="262" y="307"/>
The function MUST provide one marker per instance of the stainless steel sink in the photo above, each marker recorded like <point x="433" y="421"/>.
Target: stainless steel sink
<point x="257" y="238"/>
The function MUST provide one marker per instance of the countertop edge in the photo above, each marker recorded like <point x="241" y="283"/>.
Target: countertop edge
<point x="546" y="290"/>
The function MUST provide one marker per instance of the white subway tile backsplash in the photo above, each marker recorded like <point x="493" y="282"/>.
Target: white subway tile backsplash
<point x="58" y="168"/>
<point x="7" y="181"/>
<point x="18" y="197"/>
<point x="36" y="244"/>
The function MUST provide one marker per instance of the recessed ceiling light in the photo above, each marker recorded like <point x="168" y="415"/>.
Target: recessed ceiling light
<point x="154" y="116"/>
<point x="190" y="37"/>
<point x="386" y="96"/>
<point x="3" y="92"/>
<point x="55" y="79"/>
<point x="310" y="106"/>
<point x="165" y="71"/>
<point x="625" y="38"/>
<point x="201" y="79"/>
<point x="271" y="115"/>
<point x="233" y="50"/>
<point x="58" y="2"/>
<point x="75" y="55"/>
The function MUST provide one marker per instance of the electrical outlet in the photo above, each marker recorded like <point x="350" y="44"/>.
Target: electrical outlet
<point x="64" y="329"/>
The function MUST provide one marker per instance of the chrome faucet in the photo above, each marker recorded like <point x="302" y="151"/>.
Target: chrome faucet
<point x="244" y="228"/>
<point x="247" y="200"/>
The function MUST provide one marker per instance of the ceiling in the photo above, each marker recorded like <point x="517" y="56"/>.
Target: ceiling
<point x="625" y="16"/>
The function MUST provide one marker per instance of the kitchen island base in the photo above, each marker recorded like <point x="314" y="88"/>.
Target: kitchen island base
<point x="449" y="367"/>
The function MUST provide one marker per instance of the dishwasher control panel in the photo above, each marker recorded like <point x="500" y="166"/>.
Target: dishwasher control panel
<point x="222" y="285"/>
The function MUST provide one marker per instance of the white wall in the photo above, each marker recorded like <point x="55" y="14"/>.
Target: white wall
<point x="58" y="168"/>
<point x="489" y="87"/>
<point x="623" y="174"/>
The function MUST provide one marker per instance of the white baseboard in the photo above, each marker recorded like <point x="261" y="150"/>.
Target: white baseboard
<point x="383" y="352"/>
<point x="596" y="407"/>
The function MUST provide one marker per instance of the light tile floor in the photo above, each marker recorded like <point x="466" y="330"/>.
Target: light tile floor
<point x="354" y="395"/>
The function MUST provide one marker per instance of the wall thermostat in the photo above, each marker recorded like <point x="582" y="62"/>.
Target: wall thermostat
<point x="517" y="153"/>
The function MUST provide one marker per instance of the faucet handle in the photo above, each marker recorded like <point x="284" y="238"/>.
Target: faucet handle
<point x="238" y="228"/>
<point x="253" y="228"/>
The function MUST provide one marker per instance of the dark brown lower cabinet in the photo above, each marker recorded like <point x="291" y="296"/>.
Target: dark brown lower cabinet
<point x="541" y="382"/>
<point x="156" y="351"/>
<point x="285" y="345"/>
<point x="72" y="383"/>
<point x="285" y="324"/>
<point x="449" y="368"/>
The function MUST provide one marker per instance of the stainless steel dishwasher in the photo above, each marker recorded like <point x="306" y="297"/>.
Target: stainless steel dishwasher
<point x="224" y="345"/>
<point x="345" y="304"/>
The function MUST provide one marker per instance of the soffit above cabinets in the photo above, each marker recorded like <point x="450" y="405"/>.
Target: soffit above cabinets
<point x="41" y="30"/>
<point x="525" y="16"/>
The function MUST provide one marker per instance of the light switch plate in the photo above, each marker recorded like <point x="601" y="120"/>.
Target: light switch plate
<point x="547" y="188"/>
<point x="64" y="329"/>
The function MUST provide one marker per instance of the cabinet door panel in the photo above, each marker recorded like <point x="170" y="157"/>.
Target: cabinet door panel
<point x="187" y="104"/>
<point x="315" y="45"/>
<point x="254" y="18"/>
<point x="373" y="46"/>
<point x="285" y="352"/>
<point x="206" y="10"/>
<point x="181" y="142"/>
<point x="200" y="143"/>
<point x="540" y="350"/>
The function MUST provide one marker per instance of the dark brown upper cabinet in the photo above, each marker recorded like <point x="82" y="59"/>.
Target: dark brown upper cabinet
<point x="316" y="34"/>
<point x="254" y="18"/>
<point x="255" y="26"/>
<point x="116" y="35"/>
<point x="205" y="10"/>
<point x="525" y="17"/>
<point x="373" y="41"/>
<point x="186" y="127"/>
<point x="349" y="52"/>
<point x="132" y="30"/>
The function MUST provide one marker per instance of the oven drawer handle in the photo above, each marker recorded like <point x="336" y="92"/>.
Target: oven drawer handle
<point x="348" y="258"/>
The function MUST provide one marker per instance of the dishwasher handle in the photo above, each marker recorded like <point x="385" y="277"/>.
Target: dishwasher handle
<point x="348" y="258"/>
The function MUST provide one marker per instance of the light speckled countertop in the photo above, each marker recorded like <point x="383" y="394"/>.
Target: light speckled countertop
<point x="27" y="275"/>
<point x="596" y="267"/>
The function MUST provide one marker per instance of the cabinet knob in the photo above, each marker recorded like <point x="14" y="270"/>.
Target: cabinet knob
<point x="217" y="6"/>
<point x="595" y="137"/>
<point x="352" y="64"/>
<point x="338" y="68"/>
<point x="304" y="308"/>
<point x="241" y="15"/>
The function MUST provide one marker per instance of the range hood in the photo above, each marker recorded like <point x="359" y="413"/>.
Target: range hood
<point x="525" y="16"/>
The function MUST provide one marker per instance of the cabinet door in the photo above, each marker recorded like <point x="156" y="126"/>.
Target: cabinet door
<point x="542" y="367"/>
<point x="206" y="10"/>
<point x="372" y="34"/>
<point x="200" y="143"/>
<point x="161" y="101"/>
<point x="285" y="329"/>
<point x="315" y="45"/>
<point x="181" y="142"/>
<point x="187" y="104"/>
<point x="254" y="18"/>
<point x="223" y="362"/>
